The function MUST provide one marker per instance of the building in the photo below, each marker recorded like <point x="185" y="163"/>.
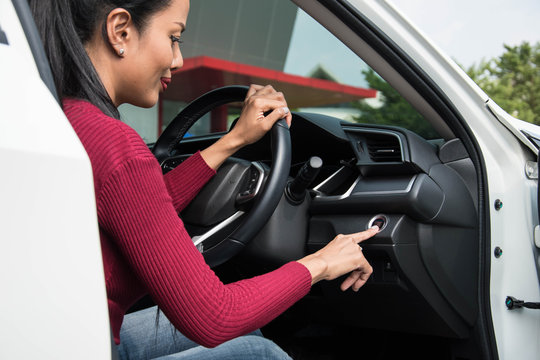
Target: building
<point x="253" y="50"/>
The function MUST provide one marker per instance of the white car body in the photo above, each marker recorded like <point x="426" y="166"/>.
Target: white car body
<point x="53" y="294"/>
<point x="53" y="303"/>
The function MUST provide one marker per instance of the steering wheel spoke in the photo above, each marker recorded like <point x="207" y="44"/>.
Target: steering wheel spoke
<point x="253" y="184"/>
<point x="199" y="240"/>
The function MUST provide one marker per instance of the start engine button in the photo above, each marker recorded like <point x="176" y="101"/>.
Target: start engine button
<point x="379" y="220"/>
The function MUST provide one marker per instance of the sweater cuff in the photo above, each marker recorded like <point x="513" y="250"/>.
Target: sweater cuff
<point x="200" y="161"/>
<point x="196" y="161"/>
<point x="299" y="270"/>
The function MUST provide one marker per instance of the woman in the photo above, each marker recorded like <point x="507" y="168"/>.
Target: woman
<point x="104" y="53"/>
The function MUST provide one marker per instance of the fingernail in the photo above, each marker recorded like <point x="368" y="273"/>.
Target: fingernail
<point x="285" y="110"/>
<point x="375" y="227"/>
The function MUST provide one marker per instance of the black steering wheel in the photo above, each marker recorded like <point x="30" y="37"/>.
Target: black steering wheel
<point x="236" y="203"/>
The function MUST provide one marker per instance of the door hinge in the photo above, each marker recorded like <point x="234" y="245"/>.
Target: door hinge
<point x="531" y="170"/>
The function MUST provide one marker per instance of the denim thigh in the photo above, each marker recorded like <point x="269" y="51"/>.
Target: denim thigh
<point x="148" y="334"/>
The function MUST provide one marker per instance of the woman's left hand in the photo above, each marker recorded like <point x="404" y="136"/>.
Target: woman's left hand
<point x="252" y="124"/>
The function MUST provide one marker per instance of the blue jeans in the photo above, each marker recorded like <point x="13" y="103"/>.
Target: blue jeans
<point x="145" y="336"/>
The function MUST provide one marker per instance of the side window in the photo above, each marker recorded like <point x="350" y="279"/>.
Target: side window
<point x="315" y="71"/>
<point x="316" y="53"/>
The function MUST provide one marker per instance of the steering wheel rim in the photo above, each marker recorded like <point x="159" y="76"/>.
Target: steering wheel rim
<point x="271" y="192"/>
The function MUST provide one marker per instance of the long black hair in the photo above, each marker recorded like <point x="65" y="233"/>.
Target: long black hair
<point x="66" y="26"/>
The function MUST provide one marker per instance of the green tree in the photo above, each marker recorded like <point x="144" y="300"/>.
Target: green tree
<point x="512" y="80"/>
<point x="393" y="110"/>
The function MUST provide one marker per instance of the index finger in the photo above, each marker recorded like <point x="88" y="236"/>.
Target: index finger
<point x="364" y="235"/>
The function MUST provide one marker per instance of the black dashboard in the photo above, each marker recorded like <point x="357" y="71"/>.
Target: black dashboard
<point x="424" y="195"/>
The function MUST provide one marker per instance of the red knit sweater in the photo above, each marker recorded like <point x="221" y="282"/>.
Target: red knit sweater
<point x="146" y="248"/>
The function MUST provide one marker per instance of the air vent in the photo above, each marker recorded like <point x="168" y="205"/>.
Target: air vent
<point x="383" y="147"/>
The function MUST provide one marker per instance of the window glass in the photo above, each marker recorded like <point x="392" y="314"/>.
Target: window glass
<point x="315" y="71"/>
<point x="218" y="120"/>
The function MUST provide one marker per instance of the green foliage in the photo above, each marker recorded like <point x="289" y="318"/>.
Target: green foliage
<point x="394" y="110"/>
<point x="512" y="80"/>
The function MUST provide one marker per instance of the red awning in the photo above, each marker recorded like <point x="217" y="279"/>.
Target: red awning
<point x="202" y="74"/>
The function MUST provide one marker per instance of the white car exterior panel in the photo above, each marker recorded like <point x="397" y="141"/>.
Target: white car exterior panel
<point x="53" y="291"/>
<point x="16" y="37"/>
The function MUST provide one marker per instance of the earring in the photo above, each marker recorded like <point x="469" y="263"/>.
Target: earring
<point x="121" y="52"/>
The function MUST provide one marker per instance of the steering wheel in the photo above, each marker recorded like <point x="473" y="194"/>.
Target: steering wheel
<point x="238" y="201"/>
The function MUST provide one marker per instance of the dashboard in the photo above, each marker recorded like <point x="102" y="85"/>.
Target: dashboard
<point x="422" y="194"/>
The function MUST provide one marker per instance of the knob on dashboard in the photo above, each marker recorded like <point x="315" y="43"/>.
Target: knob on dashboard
<point x="296" y="190"/>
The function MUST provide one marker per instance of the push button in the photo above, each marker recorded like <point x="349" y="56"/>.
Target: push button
<point x="252" y="186"/>
<point x="378" y="220"/>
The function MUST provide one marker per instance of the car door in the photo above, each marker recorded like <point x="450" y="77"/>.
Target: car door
<point x="53" y="289"/>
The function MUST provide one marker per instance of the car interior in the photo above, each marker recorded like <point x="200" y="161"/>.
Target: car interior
<point x="337" y="176"/>
<point x="422" y="299"/>
<point x="421" y="194"/>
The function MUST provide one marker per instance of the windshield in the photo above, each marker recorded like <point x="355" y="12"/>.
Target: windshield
<point x="315" y="71"/>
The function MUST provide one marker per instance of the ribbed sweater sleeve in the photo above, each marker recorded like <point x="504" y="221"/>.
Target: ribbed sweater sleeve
<point x="137" y="211"/>
<point x="186" y="180"/>
<point x="147" y="249"/>
<point x="140" y="215"/>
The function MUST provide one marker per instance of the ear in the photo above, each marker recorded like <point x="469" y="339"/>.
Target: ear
<point x="120" y="30"/>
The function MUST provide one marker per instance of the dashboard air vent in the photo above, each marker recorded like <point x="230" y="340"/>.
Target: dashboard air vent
<point x="384" y="147"/>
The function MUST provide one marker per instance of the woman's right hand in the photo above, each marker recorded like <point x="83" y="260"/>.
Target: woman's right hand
<point x="341" y="256"/>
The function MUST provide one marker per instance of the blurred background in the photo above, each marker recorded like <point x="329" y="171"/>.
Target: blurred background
<point x="496" y="41"/>
<point x="273" y="42"/>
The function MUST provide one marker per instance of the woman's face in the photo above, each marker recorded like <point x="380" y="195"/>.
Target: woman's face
<point x="151" y="56"/>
